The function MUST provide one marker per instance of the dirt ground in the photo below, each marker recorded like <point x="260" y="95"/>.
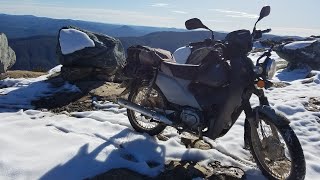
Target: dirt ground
<point x="82" y="101"/>
<point x="21" y="74"/>
<point x="178" y="170"/>
<point x="313" y="104"/>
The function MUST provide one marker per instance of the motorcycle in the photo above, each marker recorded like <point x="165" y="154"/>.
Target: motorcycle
<point x="207" y="97"/>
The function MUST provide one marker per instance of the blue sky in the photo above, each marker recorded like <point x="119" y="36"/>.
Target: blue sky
<point x="288" y="17"/>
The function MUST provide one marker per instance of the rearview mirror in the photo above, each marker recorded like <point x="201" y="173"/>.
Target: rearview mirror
<point x="195" y="23"/>
<point x="265" y="11"/>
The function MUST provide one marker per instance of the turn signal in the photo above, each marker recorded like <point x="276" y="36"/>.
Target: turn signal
<point x="261" y="84"/>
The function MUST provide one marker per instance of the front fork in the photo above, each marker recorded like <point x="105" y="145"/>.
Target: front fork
<point x="251" y="115"/>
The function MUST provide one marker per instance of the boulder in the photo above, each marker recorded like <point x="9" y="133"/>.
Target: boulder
<point x="306" y="52"/>
<point x="7" y="55"/>
<point x="79" y="73"/>
<point x="80" y="48"/>
<point x="75" y="73"/>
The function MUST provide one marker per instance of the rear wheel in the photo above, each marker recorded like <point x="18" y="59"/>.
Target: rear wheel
<point x="150" y="98"/>
<point x="276" y="149"/>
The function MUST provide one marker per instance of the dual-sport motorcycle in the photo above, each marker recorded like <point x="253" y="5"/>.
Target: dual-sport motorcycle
<point x="207" y="95"/>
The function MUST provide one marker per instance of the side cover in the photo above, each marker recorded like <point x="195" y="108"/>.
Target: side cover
<point x="176" y="90"/>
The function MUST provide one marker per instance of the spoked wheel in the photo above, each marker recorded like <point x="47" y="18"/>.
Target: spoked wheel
<point x="149" y="98"/>
<point x="276" y="150"/>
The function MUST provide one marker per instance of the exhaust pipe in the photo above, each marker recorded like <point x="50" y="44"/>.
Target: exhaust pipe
<point x="135" y="107"/>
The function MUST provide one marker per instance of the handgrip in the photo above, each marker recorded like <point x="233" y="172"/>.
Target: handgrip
<point x="266" y="31"/>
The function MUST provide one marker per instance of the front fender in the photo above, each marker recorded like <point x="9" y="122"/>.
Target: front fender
<point x="272" y="115"/>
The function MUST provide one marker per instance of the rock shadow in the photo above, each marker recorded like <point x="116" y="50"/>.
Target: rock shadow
<point x="292" y="75"/>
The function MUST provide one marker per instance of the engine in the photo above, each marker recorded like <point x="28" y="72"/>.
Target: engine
<point x="190" y="117"/>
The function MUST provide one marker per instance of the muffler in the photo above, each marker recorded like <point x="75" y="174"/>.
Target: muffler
<point x="152" y="114"/>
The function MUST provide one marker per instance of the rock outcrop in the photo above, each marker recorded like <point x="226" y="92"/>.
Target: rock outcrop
<point x="83" y="53"/>
<point x="7" y="55"/>
<point x="306" y="52"/>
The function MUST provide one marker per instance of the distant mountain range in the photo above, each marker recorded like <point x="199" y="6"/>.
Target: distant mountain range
<point x="20" y="26"/>
<point x="36" y="53"/>
<point x="34" y="39"/>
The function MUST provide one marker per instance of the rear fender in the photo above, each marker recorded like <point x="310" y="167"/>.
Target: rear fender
<point x="129" y="85"/>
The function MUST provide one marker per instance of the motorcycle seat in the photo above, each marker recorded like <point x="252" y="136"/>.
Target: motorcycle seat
<point x="183" y="71"/>
<point x="154" y="56"/>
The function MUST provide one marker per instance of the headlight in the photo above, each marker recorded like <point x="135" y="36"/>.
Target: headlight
<point x="270" y="68"/>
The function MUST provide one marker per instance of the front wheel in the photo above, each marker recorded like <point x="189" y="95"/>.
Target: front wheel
<point x="150" y="98"/>
<point x="276" y="149"/>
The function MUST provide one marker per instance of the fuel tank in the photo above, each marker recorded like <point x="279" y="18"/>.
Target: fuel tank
<point x="182" y="54"/>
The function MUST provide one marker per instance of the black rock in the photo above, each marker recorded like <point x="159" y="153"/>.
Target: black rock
<point x="107" y="53"/>
<point x="301" y="53"/>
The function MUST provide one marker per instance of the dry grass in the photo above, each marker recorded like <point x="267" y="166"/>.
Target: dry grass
<point x="23" y="74"/>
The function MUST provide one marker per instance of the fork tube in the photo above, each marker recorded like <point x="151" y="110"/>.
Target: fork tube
<point x="262" y="98"/>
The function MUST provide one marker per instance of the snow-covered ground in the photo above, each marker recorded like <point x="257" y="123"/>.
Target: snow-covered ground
<point x="43" y="145"/>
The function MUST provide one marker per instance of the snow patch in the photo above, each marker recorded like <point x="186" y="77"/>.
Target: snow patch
<point x="55" y="69"/>
<point x="298" y="45"/>
<point x="258" y="45"/>
<point x="20" y="92"/>
<point x="72" y="40"/>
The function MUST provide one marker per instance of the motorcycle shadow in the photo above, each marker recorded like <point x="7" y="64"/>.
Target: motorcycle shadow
<point x="142" y="155"/>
